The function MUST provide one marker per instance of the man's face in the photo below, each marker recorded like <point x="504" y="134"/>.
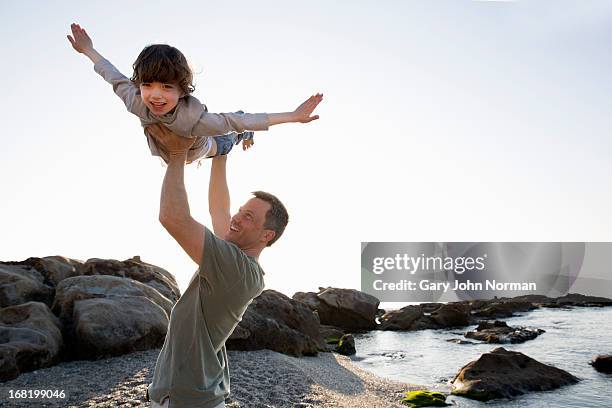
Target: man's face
<point x="160" y="97"/>
<point x="247" y="226"/>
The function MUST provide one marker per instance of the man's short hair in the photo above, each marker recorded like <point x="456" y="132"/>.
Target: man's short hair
<point x="276" y="217"/>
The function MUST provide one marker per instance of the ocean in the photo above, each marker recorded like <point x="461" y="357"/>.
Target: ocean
<point x="573" y="338"/>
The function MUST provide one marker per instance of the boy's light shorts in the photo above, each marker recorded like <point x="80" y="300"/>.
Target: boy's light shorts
<point x="225" y="143"/>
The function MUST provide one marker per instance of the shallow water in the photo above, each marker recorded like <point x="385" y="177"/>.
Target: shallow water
<point x="572" y="339"/>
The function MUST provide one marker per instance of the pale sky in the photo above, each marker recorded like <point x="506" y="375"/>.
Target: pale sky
<point x="442" y="121"/>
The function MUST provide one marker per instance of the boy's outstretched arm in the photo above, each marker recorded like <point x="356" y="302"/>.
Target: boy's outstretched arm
<point x="82" y="43"/>
<point x="301" y="114"/>
<point x="123" y="87"/>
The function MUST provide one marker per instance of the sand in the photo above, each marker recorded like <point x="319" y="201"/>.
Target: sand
<point x="258" y="379"/>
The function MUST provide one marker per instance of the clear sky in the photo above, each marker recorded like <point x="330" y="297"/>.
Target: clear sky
<point x="442" y="121"/>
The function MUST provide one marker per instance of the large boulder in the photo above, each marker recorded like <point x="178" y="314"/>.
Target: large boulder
<point x="506" y="374"/>
<point x="134" y="268"/>
<point x="276" y="322"/>
<point x="22" y="283"/>
<point x="118" y="325"/>
<point x="348" y="309"/>
<point x="401" y="319"/>
<point x="107" y="315"/>
<point x="426" y="316"/>
<point x="30" y="338"/>
<point x="499" y="332"/>
<point x="603" y="363"/>
<point x="451" y="315"/>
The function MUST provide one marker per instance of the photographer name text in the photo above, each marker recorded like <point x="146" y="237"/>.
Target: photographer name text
<point x="428" y="285"/>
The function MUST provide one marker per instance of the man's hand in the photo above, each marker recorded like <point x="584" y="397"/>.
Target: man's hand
<point x="169" y="141"/>
<point x="302" y="112"/>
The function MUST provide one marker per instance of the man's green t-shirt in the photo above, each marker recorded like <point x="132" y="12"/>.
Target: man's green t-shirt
<point x="192" y="368"/>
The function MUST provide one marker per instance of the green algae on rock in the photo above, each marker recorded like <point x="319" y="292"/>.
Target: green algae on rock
<point x="424" y="398"/>
<point x="346" y="345"/>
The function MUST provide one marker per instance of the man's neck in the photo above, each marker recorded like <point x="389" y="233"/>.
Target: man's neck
<point x="254" y="252"/>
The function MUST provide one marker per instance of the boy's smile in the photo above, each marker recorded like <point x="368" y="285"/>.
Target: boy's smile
<point x="160" y="97"/>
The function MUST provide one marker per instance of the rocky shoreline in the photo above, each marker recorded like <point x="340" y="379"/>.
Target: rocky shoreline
<point x="76" y="317"/>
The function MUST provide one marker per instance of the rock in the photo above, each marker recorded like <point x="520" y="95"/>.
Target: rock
<point x="30" y="338"/>
<point x="95" y="309"/>
<point x="348" y="309"/>
<point x="451" y="315"/>
<point x="506" y="374"/>
<point x="603" y="363"/>
<point x="118" y="325"/>
<point x="424" y="398"/>
<point x="429" y="308"/>
<point x="499" y="309"/>
<point x="538" y="300"/>
<point x="276" y="322"/>
<point x="330" y="332"/>
<point x="430" y="316"/>
<point x="135" y="269"/>
<point x="500" y="332"/>
<point x="331" y="335"/>
<point x="576" y="299"/>
<point x="460" y="341"/>
<point x="54" y="269"/>
<point x="22" y="283"/>
<point x="402" y="319"/>
<point x="240" y="333"/>
<point x="346" y="345"/>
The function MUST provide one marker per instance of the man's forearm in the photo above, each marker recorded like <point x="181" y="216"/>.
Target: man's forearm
<point x="218" y="192"/>
<point x="174" y="205"/>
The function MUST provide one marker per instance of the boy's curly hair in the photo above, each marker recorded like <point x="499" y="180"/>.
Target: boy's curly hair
<point x="163" y="63"/>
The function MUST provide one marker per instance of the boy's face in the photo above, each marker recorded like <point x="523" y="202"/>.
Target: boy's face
<point x="160" y="97"/>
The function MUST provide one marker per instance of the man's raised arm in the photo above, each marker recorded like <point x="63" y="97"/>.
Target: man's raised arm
<point x="219" y="197"/>
<point x="174" y="213"/>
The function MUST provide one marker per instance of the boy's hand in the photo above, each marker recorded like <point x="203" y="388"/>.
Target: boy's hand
<point x="247" y="143"/>
<point x="80" y="39"/>
<point x="302" y="112"/>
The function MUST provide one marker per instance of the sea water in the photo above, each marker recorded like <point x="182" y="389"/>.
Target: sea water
<point x="573" y="338"/>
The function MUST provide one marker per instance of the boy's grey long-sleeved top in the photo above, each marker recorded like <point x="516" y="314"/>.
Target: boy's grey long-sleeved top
<point x="190" y="117"/>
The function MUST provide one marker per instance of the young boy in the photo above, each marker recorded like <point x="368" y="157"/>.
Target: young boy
<point x="160" y="92"/>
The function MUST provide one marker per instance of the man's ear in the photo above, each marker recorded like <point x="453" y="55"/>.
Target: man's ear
<point x="268" y="235"/>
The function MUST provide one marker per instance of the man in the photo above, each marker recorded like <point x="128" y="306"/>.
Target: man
<point x="192" y="368"/>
